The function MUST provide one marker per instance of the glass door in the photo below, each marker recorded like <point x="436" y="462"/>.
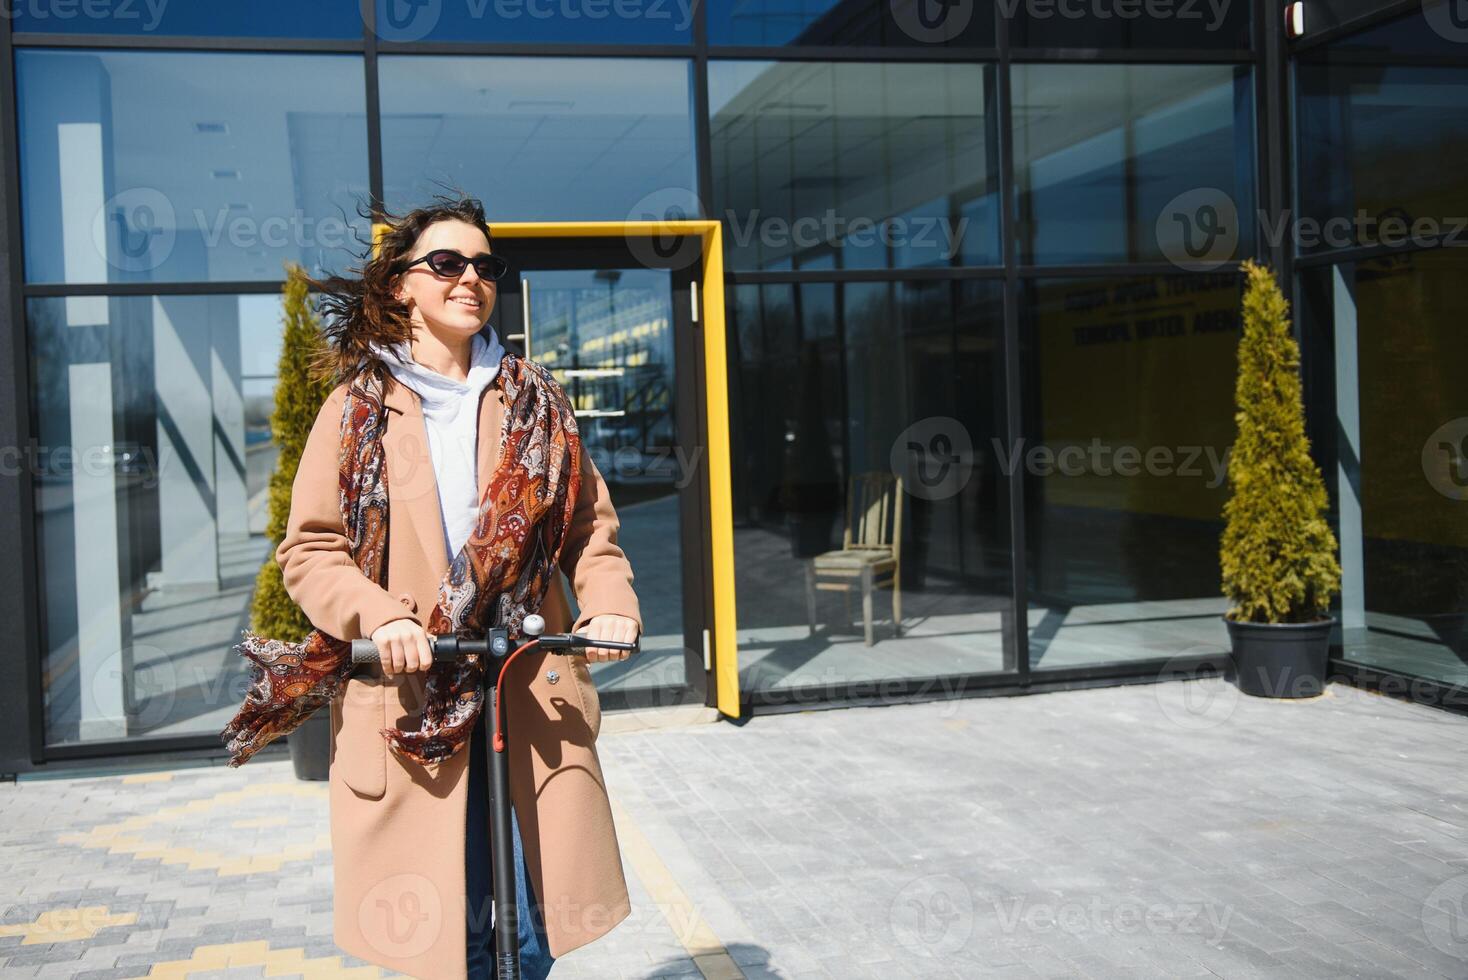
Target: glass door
<point x="617" y="335"/>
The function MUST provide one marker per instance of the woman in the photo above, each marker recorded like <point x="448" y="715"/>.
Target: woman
<point x="410" y="841"/>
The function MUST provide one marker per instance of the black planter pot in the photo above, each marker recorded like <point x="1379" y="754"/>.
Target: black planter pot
<point x="1281" y="660"/>
<point x="310" y="745"/>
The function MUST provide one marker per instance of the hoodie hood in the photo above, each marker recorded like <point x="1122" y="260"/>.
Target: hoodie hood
<point x="441" y="396"/>
<point x="451" y="416"/>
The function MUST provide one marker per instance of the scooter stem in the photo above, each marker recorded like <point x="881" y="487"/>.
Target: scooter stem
<point x="502" y="845"/>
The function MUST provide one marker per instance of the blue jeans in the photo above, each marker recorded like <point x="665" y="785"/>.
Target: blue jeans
<point x="535" y="958"/>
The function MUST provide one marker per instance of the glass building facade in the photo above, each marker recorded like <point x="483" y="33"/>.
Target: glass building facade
<point x="993" y="254"/>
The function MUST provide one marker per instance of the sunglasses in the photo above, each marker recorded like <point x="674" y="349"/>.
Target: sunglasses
<point x="447" y="262"/>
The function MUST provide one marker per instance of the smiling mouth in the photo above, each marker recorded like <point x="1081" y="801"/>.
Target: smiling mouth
<point x="465" y="301"/>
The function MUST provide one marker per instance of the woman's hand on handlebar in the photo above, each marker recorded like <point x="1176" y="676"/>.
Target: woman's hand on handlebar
<point x="402" y="646"/>
<point x="609" y="626"/>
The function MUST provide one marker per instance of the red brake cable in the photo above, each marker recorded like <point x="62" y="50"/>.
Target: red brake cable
<point x="499" y="715"/>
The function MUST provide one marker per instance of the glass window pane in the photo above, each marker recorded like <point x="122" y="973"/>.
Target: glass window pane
<point x="853" y="165"/>
<point x="257" y="18"/>
<point x="541" y="138"/>
<point x="888" y="23"/>
<point x="1374" y="136"/>
<point x="1408" y="29"/>
<point x="1129" y="389"/>
<point x="836" y="384"/>
<point x="1123" y="25"/>
<point x="1134" y="163"/>
<point x="546" y="21"/>
<point x="151" y="467"/>
<point x="1390" y="415"/>
<point x="189" y="167"/>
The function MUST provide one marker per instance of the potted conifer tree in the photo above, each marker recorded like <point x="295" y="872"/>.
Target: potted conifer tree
<point x="299" y="395"/>
<point x="1278" y="553"/>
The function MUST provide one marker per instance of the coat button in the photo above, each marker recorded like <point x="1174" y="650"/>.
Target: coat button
<point x="551" y="676"/>
<point x="406" y="598"/>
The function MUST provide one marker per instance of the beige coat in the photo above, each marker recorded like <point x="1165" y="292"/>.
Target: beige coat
<point x="397" y="828"/>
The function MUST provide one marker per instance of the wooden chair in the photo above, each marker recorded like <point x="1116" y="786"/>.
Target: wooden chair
<point x="871" y="550"/>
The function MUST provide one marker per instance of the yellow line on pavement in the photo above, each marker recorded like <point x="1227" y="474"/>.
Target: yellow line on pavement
<point x="67" y="925"/>
<point x="706" y="949"/>
<point x="277" y="963"/>
<point x="134" y="837"/>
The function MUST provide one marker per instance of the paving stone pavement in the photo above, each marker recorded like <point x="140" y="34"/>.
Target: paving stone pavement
<point x="1165" y="830"/>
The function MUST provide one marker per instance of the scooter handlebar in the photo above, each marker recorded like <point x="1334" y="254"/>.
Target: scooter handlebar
<point x="452" y="647"/>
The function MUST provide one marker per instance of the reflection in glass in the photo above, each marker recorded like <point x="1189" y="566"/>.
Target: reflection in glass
<point x="174" y="166"/>
<point x="1373" y="139"/>
<point x="258" y="18"/>
<point x="1391" y="410"/>
<point x="1430" y="31"/>
<point x="154" y="452"/>
<point x="1122" y="27"/>
<point x="563" y="22"/>
<point x="854" y="166"/>
<point x="1133" y="163"/>
<point x="607" y="336"/>
<point x="904" y="23"/>
<point x="541" y="139"/>
<point x="1128" y="389"/>
<point x="836" y="383"/>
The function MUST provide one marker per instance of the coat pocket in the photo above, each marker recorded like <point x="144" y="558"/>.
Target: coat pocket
<point x="358" y="750"/>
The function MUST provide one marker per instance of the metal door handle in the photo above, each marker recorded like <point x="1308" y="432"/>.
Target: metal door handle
<point x="525" y="312"/>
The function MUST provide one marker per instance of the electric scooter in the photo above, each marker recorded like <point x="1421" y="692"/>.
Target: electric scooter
<point x="495" y="648"/>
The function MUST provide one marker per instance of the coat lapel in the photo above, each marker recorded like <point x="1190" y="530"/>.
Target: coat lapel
<point x="414" y="518"/>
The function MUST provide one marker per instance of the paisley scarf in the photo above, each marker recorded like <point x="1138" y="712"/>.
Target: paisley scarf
<point x="500" y="576"/>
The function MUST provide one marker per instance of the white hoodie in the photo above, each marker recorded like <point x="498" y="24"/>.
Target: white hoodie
<point x="451" y="414"/>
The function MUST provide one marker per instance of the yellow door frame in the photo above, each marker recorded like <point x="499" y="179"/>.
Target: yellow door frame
<point x="722" y="633"/>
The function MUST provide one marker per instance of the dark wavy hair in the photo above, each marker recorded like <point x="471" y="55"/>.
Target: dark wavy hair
<point x="359" y="310"/>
